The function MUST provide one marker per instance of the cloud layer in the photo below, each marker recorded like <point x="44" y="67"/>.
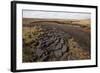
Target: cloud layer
<point x="55" y="14"/>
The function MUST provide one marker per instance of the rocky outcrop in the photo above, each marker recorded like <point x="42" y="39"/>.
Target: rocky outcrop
<point x="51" y="44"/>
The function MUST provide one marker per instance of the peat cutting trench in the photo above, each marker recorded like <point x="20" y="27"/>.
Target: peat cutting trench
<point x="56" y="42"/>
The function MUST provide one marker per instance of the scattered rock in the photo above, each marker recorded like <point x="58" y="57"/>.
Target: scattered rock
<point x="64" y="48"/>
<point x="52" y="45"/>
<point x="58" y="53"/>
<point x="39" y="52"/>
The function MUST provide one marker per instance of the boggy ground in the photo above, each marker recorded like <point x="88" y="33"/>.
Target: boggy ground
<point x="55" y="42"/>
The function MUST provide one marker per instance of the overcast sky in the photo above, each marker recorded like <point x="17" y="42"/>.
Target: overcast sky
<point x="55" y="15"/>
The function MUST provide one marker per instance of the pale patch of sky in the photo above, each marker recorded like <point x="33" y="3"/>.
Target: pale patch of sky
<point x="55" y="14"/>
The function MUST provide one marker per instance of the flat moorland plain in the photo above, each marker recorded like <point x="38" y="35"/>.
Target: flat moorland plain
<point x="56" y="39"/>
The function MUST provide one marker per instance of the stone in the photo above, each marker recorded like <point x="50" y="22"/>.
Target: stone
<point x="58" y="53"/>
<point x="64" y="48"/>
<point x="58" y="46"/>
<point x="39" y="52"/>
<point x="62" y="41"/>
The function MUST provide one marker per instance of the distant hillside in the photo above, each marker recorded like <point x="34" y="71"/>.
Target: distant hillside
<point x="82" y="22"/>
